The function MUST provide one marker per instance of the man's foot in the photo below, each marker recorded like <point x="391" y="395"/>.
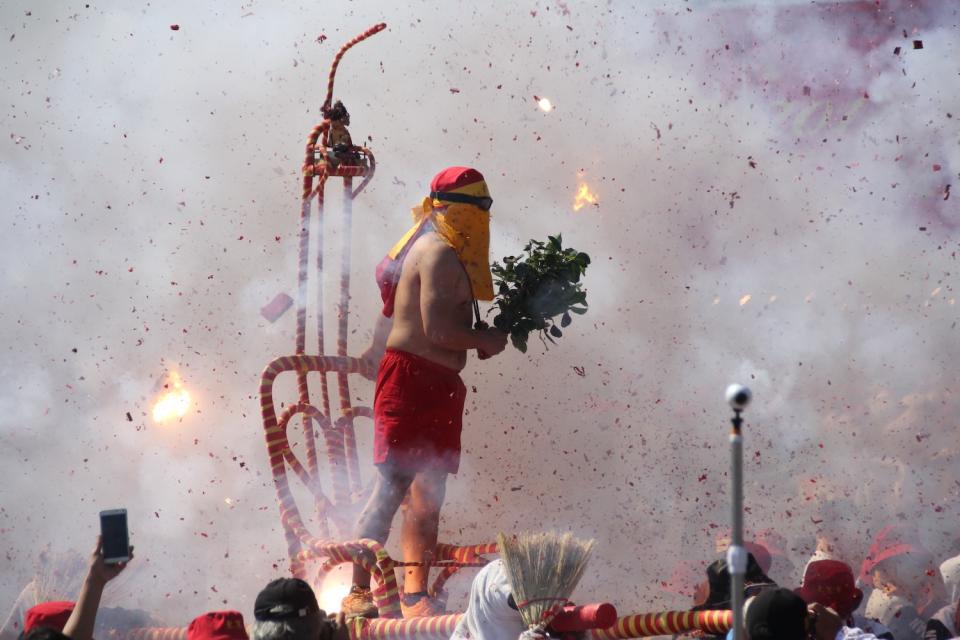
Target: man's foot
<point x="420" y="605"/>
<point x="359" y="604"/>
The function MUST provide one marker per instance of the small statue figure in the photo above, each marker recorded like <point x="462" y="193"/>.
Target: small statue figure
<point x="340" y="149"/>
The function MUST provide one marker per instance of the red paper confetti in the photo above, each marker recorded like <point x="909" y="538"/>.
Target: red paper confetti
<point x="174" y="27"/>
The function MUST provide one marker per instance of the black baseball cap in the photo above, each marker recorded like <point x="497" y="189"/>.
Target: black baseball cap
<point x="285" y="598"/>
<point x="718" y="579"/>
<point x="777" y="614"/>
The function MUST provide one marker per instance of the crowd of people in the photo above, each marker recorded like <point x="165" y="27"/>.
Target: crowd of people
<point x="901" y="591"/>
<point x="286" y="609"/>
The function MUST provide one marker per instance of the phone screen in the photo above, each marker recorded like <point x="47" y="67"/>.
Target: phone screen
<point x="113" y="529"/>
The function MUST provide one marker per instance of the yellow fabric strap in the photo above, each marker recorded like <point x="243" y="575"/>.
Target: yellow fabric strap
<point x="466" y="229"/>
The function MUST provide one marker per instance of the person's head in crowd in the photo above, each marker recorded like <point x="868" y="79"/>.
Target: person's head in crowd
<point x="50" y="615"/>
<point x="899" y="565"/>
<point x="218" y="625"/>
<point x="830" y="583"/>
<point x="950" y="570"/>
<point x="45" y="633"/>
<point x="757" y="550"/>
<point x="287" y="609"/>
<point x="780" y="614"/>
<point x="718" y="583"/>
<point x="776" y="614"/>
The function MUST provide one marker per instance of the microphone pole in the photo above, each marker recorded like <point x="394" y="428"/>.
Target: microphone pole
<point x="738" y="397"/>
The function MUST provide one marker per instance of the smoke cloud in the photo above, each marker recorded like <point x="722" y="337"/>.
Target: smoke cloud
<point x="774" y="208"/>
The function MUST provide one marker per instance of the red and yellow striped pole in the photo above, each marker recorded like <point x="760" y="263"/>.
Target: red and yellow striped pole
<point x="641" y="625"/>
<point x="644" y="625"/>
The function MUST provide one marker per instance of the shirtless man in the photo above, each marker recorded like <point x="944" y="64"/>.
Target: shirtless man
<point x="428" y="283"/>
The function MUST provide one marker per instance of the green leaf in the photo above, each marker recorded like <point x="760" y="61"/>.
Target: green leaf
<point x="578" y="310"/>
<point x="555" y="332"/>
<point x="565" y="320"/>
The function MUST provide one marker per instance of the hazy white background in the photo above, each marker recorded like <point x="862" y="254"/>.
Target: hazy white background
<point x="151" y="182"/>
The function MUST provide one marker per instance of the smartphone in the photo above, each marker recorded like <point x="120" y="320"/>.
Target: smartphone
<point x="113" y="532"/>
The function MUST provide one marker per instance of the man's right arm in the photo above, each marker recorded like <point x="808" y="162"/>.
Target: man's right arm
<point x="445" y="300"/>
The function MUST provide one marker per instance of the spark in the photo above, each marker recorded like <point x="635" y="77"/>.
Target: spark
<point x="335" y="586"/>
<point x="584" y="197"/>
<point x="174" y="404"/>
<point x="545" y="105"/>
<point x="745" y="299"/>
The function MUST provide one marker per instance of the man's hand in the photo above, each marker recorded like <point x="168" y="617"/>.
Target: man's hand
<point x="825" y="621"/>
<point x="100" y="572"/>
<point x="494" y="341"/>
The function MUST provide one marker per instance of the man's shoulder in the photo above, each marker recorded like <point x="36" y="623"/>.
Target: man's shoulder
<point x="432" y="249"/>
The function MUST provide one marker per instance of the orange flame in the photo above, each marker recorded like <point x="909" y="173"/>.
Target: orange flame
<point x="174" y="404"/>
<point x="745" y="299"/>
<point x="584" y="197"/>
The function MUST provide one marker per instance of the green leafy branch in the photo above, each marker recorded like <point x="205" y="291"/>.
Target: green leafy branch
<point x="535" y="288"/>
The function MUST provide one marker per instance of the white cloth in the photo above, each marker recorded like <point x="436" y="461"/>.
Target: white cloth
<point x="897" y="614"/>
<point x="950" y="570"/>
<point x="488" y="615"/>
<point x="853" y="633"/>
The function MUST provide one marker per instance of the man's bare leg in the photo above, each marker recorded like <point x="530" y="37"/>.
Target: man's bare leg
<point x="375" y="520"/>
<point x="418" y="537"/>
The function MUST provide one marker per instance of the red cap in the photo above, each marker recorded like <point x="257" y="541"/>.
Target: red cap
<point x="830" y="583"/>
<point x="893" y="540"/>
<point x="217" y="625"/>
<point x="454" y="178"/>
<point x="53" y="615"/>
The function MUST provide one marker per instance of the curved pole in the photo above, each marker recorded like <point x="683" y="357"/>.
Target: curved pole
<point x="377" y="28"/>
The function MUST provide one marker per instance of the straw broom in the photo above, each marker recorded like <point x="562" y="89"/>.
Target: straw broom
<point x="544" y="569"/>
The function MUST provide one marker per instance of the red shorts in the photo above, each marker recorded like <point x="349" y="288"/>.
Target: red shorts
<point x="417" y="414"/>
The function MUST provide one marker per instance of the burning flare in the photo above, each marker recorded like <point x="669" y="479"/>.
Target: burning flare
<point x="334" y="586"/>
<point x="174" y="403"/>
<point x="584" y="197"/>
<point x="545" y="105"/>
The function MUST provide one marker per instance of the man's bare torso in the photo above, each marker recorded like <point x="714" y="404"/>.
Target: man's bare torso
<point x="408" y="333"/>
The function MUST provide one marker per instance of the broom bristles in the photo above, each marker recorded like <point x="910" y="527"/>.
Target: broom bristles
<point x="543" y="569"/>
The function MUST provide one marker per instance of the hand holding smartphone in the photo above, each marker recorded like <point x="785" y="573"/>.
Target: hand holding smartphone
<point x="115" y="537"/>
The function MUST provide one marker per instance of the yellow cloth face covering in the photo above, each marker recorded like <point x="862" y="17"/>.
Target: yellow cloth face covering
<point x="466" y="228"/>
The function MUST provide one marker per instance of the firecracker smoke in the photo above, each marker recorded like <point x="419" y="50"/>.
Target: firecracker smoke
<point x="771" y="206"/>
